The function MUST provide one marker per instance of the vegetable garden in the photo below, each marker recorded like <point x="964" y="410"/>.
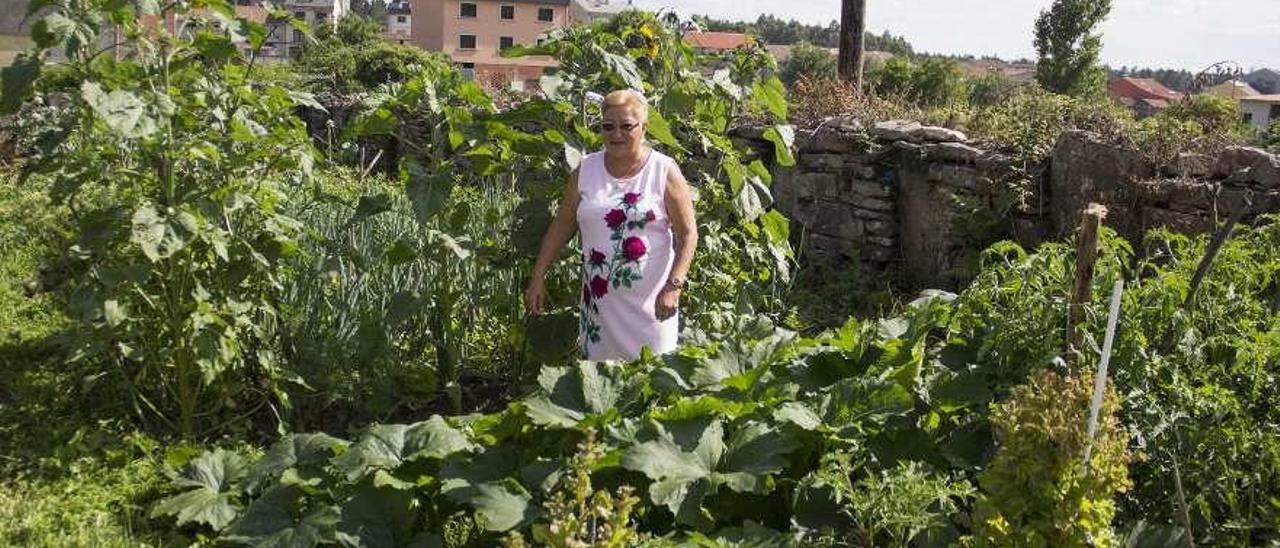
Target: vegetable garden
<point x="218" y="333"/>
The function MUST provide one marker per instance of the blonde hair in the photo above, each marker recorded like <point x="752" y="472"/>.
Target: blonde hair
<point x="629" y="99"/>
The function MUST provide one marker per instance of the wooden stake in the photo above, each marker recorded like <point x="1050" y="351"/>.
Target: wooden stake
<point x="1082" y="290"/>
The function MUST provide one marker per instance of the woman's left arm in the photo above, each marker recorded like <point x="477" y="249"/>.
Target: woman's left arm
<point x="684" y="229"/>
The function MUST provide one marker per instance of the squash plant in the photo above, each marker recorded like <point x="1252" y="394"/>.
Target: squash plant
<point x="177" y="168"/>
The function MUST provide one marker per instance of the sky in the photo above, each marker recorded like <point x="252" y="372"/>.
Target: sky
<point x="1185" y="34"/>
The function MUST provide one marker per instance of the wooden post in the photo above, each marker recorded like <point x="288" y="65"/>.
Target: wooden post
<point x="1082" y="289"/>
<point x="853" y="27"/>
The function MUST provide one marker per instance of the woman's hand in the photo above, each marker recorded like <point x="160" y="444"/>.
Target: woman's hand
<point x="534" y="296"/>
<point x="667" y="303"/>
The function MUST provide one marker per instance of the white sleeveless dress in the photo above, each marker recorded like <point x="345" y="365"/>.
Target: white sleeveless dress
<point x="627" y="253"/>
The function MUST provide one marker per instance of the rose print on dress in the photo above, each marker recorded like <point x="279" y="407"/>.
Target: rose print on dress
<point x="619" y="269"/>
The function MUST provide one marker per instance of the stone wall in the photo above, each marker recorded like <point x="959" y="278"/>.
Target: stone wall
<point x="904" y="196"/>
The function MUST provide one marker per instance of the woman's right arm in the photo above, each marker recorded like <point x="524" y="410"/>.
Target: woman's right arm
<point x="562" y="228"/>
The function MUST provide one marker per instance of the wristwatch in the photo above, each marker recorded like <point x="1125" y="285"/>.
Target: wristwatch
<point x="676" y="282"/>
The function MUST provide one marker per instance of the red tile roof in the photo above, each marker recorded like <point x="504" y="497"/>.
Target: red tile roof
<point x="1141" y="88"/>
<point x="715" y="40"/>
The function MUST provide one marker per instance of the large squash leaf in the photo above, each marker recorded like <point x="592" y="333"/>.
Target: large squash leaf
<point x="212" y="478"/>
<point x="387" y="446"/>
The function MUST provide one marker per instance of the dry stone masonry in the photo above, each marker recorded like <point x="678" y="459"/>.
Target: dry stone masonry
<point x="898" y="194"/>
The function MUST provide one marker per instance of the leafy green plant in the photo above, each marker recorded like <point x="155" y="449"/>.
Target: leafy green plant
<point x="1039" y="491"/>
<point x="175" y="169"/>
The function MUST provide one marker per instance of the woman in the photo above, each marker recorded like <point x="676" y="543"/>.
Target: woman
<point x="634" y="210"/>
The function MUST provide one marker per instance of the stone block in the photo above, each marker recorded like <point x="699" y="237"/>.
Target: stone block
<point x="1186" y="223"/>
<point x="870" y="189"/>
<point x="959" y="153"/>
<point x="934" y="134"/>
<point x="896" y="130"/>
<point x="863" y="171"/>
<point x="835" y="140"/>
<point x="879" y="254"/>
<point x="1190" y="165"/>
<point x="870" y="215"/>
<point x="882" y="241"/>
<point x="954" y="176"/>
<point x="873" y="204"/>
<point x="836" y="220"/>
<point x="825" y="161"/>
<point x="811" y="184"/>
<point x="1253" y="164"/>
<point x="881" y="228"/>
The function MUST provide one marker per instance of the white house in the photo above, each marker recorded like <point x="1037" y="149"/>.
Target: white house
<point x="284" y="41"/>
<point x="399" y="22"/>
<point x="590" y="11"/>
<point x="1261" y="110"/>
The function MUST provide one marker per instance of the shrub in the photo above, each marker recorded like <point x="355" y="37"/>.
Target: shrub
<point x="353" y="58"/>
<point x="1029" y="122"/>
<point x="1036" y="491"/>
<point x="1271" y="138"/>
<point x="807" y="61"/>
<point x="935" y="82"/>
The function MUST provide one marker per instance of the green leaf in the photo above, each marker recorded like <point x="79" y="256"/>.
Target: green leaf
<point x="121" y="110"/>
<point x="798" y="414"/>
<point x="776" y="227"/>
<point x="773" y="95"/>
<point x="428" y="192"/>
<point x="212" y="477"/>
<point x="148" y="7"/>
<point x="553" y="337"/>
<point x="378" y="517"/>
<point x="387" y="446"/>
<point x="754" y="452"/>
<point x="305" y="452"/>
<point x="270" y="521"/>
<point x="200" y="506"/>
<point x="660" y="129"/>
<point x="783" y="139"/>
<point x="499" y="508"/>
<point x="17" y="80"/>
<point x="371" y="205"/>
<point x="571" y="394"/>
<point x="622" y="67"/>
<point x="151" y="233"/>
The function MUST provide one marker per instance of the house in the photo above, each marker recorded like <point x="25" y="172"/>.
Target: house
<point x="1261" y="110"/>
<point x="286" y="42"/>
<point x="473" y="33"/>
<point x="1144" y="95"/>
<point x="590" y="11"/>
<point x="399" y="22"/>
<point x="1266" y="81"/>
<point x="1233" y="89"/>
<point x="715" y="42"/>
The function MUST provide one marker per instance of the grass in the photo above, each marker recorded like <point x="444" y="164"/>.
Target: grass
<point x="73" y="481"/>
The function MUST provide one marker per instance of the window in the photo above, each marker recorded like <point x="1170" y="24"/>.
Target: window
<point x="400" y="18"/>
<point x="467" y="9"/>
<point x="546" y="14"/>
<point x="508" y="12"/>
<point x="300" y="15"/>
<point x="1248" y="117"/>
<point x="506" y="42"/>
<point x="297" y="36"/>
<point x="541" y="40"/>
<point x="466" y="41"/>
<point x="469" y="70"/>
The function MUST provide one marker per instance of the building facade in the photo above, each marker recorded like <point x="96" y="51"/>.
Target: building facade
<point x="1261" y="110"/>
<point x="474" y="32"/>
<point x="590" y="11"/>
<point x="399" y="22"/>
<point x="286" y="42"/>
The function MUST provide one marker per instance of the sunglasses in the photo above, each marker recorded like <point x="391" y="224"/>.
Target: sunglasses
<point x="608" y="127"/>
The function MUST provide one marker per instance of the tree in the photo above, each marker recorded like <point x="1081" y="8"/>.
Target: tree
<point x="853" y="25"/>
<point x="1068" y="48"/>
<point x="807" y="60"/>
